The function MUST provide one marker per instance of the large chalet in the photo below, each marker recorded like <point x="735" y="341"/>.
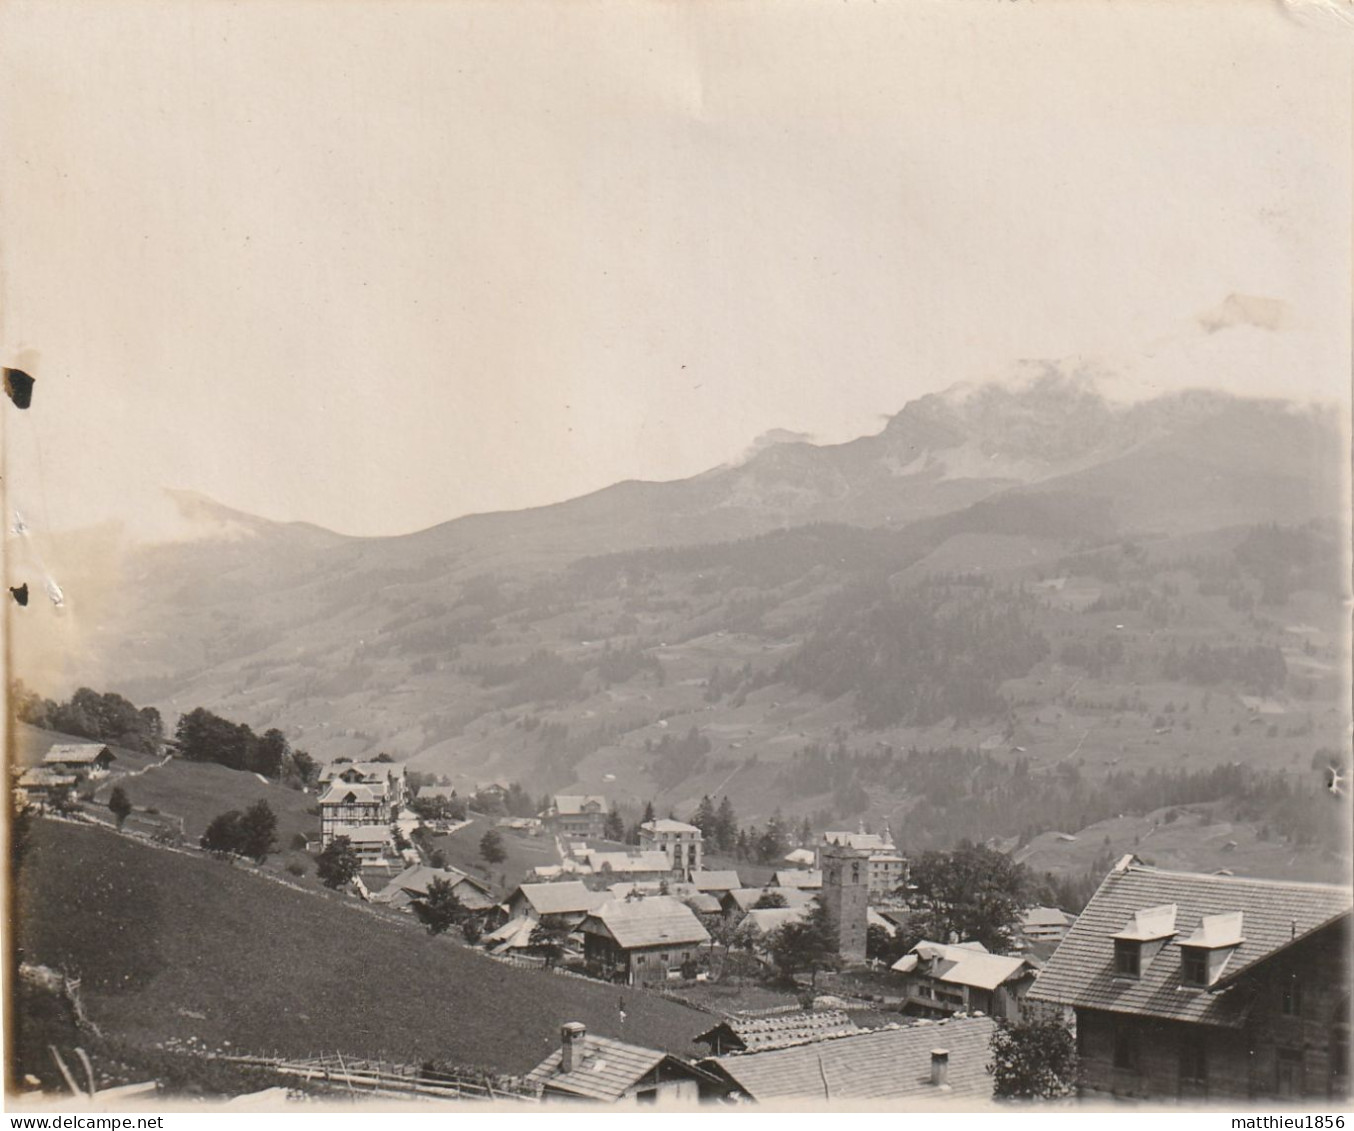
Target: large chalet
<point x="1207" y="987"/>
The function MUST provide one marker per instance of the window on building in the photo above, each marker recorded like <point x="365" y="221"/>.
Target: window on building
<point x="1126" y="1050"/>
<point x="1194" y="966"/>
<point x="1290" y="996"/>
<point x="1127" y="959"/>
<point x="1193" y="1061"/>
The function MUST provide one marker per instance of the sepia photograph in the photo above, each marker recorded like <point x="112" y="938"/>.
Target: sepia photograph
<point x="719" y="557"/>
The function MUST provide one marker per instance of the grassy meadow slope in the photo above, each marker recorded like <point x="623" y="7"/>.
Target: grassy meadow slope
<point x="172" y="946"/>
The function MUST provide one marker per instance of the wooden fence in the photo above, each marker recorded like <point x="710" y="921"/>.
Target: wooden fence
<point x="390" y="1080"/>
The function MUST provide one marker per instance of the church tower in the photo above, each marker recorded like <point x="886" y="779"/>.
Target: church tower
<point x="846" y="896"/>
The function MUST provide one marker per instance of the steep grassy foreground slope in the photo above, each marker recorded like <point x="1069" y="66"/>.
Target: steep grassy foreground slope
<point x="172" y="946"/>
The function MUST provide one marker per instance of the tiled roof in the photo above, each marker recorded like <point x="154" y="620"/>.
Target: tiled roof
<point x="75" y="754"/>
<point x="764" y="920"/>
<point x="45" y="776"/>
<point x="870" y="841"/>
<point x="664" y="825"/>
<point x="797" y="878"/>
<point x="965" y="965"/>
<point x="883" y="1064"/>
<point x="603" y="1069"/>
<point x="573" y="805"/>
<point x="782" y="1030"/>
<point x="702" y="903"/>
<point x="370" y="771"/>
<point x="716" y="881"/>
<point x="1045" y="917"/>
<point x="364" y="834"/>
<point x="562" y="898"/>
<point x="744" y="898"/>
<point x="361" y="793"/>
<point x="625" y="862"/>
<point x="1274" y="914"/>
<point x="652" y="921"/>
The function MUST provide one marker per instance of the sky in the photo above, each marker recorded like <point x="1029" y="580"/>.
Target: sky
<point x="377" y="265"/>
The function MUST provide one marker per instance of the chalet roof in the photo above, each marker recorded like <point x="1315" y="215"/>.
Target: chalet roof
<point x="1276" y="914"/>
<point x="629" y="862"/>
<point x="798" y="878"/>
<point x="436" y="792"/>
<point x="764" y="920"/>
<point x="577" y="805"/>
<point x="963" y="965"/>
<point x="653" y="921"/>
<point x="667" y="825"/>
<point x="417" y="877"/>
<point x="562" y="898"/>
<point x="799" y="856"/>
<point x="603" y="1069"/>
<point x="45" y="776"/>
<point x="515" y="934"/>
<point x="362" y="793"/>
<point x="370" y="771"/>
<point x="871" y="842"/>
<point x="882" y="1064"/>
<point x="781" y="1030"/>
<point x="716" y="881"/>
<point x="1045" y="917"/>
<point x="702" y="903"/>
<point x="365" y="834"/>
<point x="76" y="754"/>
<point x="744" y="898"/>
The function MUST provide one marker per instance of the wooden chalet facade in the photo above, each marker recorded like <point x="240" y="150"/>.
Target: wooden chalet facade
<point x="1207" y="988"/>
<point x="641" y="940"/>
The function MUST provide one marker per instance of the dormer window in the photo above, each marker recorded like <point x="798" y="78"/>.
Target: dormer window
<point x="1142" y="937"/>
<point x="1204" y="954"/>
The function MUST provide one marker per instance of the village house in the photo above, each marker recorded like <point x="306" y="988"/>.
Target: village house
<point x="635" y="864"/>
<point x="567" y="902"/>
<point x="759" y="923"/>
<point x="738" y="902"/>
<point x="412" y="885"/>
<point x="345" y="807"/>
<point x="941" y="979"/>
<point x="938" y="1062"/>
<point x="374" y="844"/>
<point x="577" y="817"/>
<point x="82" y="760"/>
<point x="715" y="883"/>
<point x="41" y="786"/>
<point x="1045" y="924"/>
<point x="641" y="940"/>
<point x="776" y="1031"/>
<point x="1207" y="987"/>
<point x="595" y="1069"/>
<point x="678" y="841"/>
<point x="810" y="880"/>
<point x="887" y="869"/>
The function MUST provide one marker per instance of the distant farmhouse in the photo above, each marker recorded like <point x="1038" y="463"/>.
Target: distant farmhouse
<point x="412" y="884"/>
<point x="83" y="760"/>
<point x="776" y="1031"/>
<point x="39" y="785"/>
<point x="1206" y="987"/>
<point x="577" y="817"/>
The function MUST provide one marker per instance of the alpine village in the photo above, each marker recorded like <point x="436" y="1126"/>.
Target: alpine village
<point x="944" y="781"/>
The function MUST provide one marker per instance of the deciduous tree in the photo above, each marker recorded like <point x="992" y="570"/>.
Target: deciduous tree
<point x="338" y="863"/>
<point x="1033" y="1060"/>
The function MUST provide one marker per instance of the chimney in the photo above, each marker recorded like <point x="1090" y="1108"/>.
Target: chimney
<point x="940" y="1067"/>
<point x="572" y="1036"/>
